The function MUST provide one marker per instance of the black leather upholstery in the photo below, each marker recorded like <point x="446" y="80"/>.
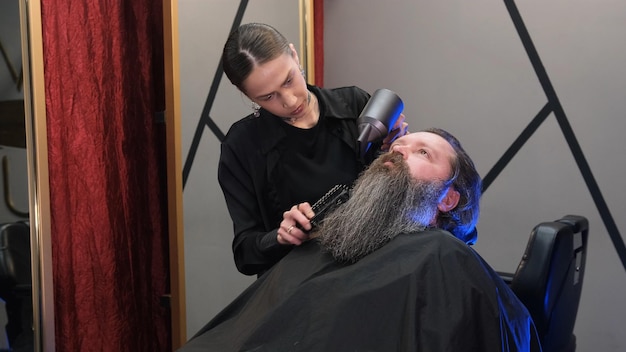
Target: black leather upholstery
<point x="15" y="284"/>
<point x="15" y="267"/>
<point x="549" y="279"/>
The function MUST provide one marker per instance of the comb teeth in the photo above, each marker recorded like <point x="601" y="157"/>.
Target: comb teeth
<point x="332" y="199"/>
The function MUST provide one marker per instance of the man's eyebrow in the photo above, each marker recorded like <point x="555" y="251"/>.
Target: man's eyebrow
<point x="398" y="141"/>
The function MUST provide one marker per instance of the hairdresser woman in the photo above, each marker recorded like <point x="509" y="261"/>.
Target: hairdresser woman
<point x="298" y="143"/>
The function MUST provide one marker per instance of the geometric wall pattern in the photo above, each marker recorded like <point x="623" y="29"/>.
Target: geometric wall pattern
<point x="205" y="120"/>
<point x="553" y="106"/>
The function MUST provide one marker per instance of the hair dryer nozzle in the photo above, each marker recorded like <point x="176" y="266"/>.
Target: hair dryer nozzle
<point x="378" y="117"/>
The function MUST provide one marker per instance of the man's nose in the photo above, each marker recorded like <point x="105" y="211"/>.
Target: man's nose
<point x="400" y="151"/>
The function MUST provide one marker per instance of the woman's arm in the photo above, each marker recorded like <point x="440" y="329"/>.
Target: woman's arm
<point x="255" y="247"/>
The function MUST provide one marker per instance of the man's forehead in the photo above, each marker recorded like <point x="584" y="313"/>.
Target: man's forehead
<point x="424" y="138"/>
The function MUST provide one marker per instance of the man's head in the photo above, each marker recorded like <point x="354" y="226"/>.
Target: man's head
<point x="425" y="180"/>
<point x="461" y="220"/>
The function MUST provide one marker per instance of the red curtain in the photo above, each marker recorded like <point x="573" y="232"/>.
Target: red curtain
<point x="104" y="82"/>
<point x="318" y="35"/>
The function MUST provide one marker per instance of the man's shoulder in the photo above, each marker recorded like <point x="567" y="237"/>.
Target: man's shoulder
<point x="435" y="240"/>
<point x="419" y="252"/>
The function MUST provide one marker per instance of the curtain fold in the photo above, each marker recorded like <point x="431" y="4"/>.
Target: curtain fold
<point x="318" y="30"/>
<point x="104" y="83"/>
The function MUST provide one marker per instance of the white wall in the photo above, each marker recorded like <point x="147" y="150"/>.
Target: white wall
<point x="460" y="65"/>
<point x="212" y="280"/>
<point x="11" y="42"/>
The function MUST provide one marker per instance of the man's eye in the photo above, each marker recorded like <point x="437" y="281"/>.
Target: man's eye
<point x="423" y="152"/>
<point x="267" y="97"/>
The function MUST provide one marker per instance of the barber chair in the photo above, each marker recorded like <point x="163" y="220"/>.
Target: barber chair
<point x="15" y="284"/>
<point x="549" y="279"/>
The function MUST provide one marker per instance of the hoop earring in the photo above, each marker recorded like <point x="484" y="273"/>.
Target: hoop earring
<point x="255" y="109"/>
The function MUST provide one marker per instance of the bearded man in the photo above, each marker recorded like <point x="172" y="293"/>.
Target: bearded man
<point x="389" y="270"/>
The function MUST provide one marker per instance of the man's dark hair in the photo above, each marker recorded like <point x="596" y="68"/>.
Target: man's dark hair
<point x="461" y="221"/>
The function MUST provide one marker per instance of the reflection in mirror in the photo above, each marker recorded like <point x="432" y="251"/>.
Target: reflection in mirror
<point x="209" y="106"/>
<point x="16" y="313"/>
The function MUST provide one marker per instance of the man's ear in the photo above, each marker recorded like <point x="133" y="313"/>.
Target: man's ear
<point x="449" y="201"/>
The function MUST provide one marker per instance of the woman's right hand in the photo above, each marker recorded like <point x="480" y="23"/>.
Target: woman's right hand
<point x="295" y="225"/>
<point x="399" y="129"/>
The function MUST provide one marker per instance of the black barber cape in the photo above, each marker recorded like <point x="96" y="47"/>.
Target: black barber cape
<point x="424" y="291"/>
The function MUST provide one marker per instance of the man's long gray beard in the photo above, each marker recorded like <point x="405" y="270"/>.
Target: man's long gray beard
<point x="385" y="202"/>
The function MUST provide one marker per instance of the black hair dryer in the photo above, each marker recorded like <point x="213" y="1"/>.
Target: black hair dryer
<point x="378" y="118"/>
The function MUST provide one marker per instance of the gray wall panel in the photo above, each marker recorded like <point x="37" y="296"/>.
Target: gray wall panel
<point x="461" y="65"/>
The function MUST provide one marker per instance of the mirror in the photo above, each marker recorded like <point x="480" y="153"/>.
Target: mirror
<point x="210" y="104"/>
<point x="16" y="294"/>
<point x="25" y="250"/>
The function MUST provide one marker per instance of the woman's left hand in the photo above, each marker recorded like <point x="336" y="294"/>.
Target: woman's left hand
<point x="400" y="128"/>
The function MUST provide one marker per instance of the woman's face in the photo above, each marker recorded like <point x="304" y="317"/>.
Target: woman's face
<point x="279" y="87"/>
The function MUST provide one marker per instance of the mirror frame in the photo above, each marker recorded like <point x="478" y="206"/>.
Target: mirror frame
<point x="174" y="176"/>
<point x="307" y="39"/>
<point x="38" y="179"/>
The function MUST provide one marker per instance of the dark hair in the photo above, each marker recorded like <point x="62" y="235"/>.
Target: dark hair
<point x="461" y="221"/>
<point x="249" y="45"/>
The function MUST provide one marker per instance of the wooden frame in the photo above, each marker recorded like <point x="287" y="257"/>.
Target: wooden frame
<point x="307" y="39"/>
<point x="174" y="174"/>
